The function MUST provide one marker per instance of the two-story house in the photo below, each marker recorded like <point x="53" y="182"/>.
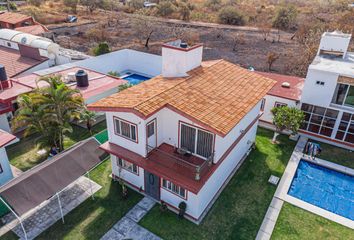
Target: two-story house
<point x="328" y="94"/>
<point x="180" y="136"/>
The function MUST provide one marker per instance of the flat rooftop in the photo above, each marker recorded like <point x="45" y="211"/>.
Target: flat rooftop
<point x="293" y="92"/>
<point x="338" y="65"/>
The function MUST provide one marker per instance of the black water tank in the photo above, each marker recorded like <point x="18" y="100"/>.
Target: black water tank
<point x="183" y="45"/>
<point x="81" y="78"/>
<point x="3" y="76"/>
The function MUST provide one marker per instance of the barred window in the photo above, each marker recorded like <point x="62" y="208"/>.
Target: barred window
<point x="131" y="167"/>
<point x="173" y="188"/>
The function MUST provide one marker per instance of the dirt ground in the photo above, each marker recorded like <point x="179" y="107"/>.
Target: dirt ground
<point x="218" y="43"/>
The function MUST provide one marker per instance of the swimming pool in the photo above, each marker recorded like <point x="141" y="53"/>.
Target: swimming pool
<point x="324" y="188"/>
<point x="135" y="78"/>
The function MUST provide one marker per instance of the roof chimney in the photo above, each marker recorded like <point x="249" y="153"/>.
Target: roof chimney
<point x="334" y="44"/>
<point x="3" y="75"/>
<point x="178" y="58"/>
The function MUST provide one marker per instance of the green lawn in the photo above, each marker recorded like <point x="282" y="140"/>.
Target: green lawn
<point x="296" y="223"/>
<point x="239" y="211"/>
<point x="337" y="155"/>
<point x="23" y="154"/>
<point x="93" y="218"/>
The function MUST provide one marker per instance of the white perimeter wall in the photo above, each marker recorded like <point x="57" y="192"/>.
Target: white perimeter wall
<point x="6" y="175"/>
<point x="125" y="59"/>
<point x="269" y="105"/>
<point x="4" y="124"/>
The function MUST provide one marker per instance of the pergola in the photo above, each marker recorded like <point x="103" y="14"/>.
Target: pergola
<point x="49" y="178"/>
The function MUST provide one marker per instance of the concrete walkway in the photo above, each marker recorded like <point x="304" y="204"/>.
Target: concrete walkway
<point x="270" y="219"/>
<point x="128" y="227"/>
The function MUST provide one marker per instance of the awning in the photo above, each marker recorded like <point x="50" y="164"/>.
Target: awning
<point x="46" y="179"/>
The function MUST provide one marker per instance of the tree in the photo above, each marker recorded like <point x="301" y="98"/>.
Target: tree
<point x="286" y="118"/>
<point x="88" y="117"/>
<point x="284" y="18"/>
<point x="102" y="48"/>
<point x="184" y="11"/>
<point x="91" y="5"/>
<point x="271" y="58"/>
<point x="49" y="111"/>
<point x="230" y="15"/>
<point x="146" y="27"/>
<point x="124" y="86"/>
<point x="237" y="39"/>
<point x="165" y="8"/>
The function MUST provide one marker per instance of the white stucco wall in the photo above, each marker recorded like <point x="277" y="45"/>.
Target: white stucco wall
<point x="270" y="103"/>
<point x="316" y="94"/>
<point x="134" y="179"/>
<point x="125" y="59"/>
<point x="6" y="175"/>
<point x="4" y="124"/>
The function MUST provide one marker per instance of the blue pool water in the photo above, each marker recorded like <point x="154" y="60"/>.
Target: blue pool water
<point x="135" y="79"/>
<point x="324" y="188"/>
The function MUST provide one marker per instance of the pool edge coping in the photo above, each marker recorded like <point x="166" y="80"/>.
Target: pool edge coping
<point x="288" y="175"/>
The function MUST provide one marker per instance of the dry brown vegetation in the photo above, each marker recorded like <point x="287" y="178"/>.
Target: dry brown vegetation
<point x="294" y="47"/>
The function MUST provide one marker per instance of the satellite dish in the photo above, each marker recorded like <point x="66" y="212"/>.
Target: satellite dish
<point x="24" y="40"/>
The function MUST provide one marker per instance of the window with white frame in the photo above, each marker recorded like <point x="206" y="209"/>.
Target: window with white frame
<point x="263" y="104"/>
<point x="131" y="167"/>
<point x="125" y="129"/>
<point x="279" y="104"/>
<point x="344" y="95"/>
<point x="174" y="188"/>
<point x="196" y="140"/>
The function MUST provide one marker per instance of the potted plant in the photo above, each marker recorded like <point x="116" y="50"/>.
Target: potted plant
<point x="163" y="206"/>
<point x="182" y="209"/>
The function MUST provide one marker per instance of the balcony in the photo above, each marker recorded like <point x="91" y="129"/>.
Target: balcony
<point x="180" y="161"/>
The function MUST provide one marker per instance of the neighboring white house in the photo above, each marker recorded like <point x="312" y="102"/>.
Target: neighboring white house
<point x="5" y="168"/>
<point x="328" y="94"/>
<point x="180" y="136"/>
<point x="286" y="92"/>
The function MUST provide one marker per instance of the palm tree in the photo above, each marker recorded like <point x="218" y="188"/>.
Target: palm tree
<point x="89" y="118"/>
<point x="62" y="105"/>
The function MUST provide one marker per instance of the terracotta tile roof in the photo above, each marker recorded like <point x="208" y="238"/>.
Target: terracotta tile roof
<point x="5" y="138"/>
<point x="37" y="29"/>
<point x="293" y="92"/>
<point x="13" y="18"/>
<point x="218" y="95"/>
<point x="15" y="63"/>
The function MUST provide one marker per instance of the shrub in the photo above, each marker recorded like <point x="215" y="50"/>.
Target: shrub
<point x="136" y="4"/>
<point x="230" y="15"/>
<point x="182" y="209"/>
<point x="36" y="3"/>
<point x="285" y="17"/>
<point x="184" y="10"/>
<point x="102" y="48"/>
<point x="72" y="4"/>
<point x="213" y="4"/>
<point x="165" y="8"/>
<point x="97" y="34"/>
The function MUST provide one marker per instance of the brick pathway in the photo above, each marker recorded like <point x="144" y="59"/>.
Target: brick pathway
<point x="128" y="227"/>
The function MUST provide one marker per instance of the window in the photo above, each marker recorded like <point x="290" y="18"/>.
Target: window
<point x="346" y="128"/>
<point x="279" y="104"/>
<point x="196" y="140"/>
<point x="320" y="83"/>
<point x="151" y="129"/>
<point x="127" y="165"/>
<point x="319" y="120"/>
<point x="263" y="104"/>
<point x="125" y="129"/>
<point x="174" y="188"/>
<point x="344" y="95"/>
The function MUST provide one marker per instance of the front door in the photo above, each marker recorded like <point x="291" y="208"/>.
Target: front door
<point x="152" y="185"/>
